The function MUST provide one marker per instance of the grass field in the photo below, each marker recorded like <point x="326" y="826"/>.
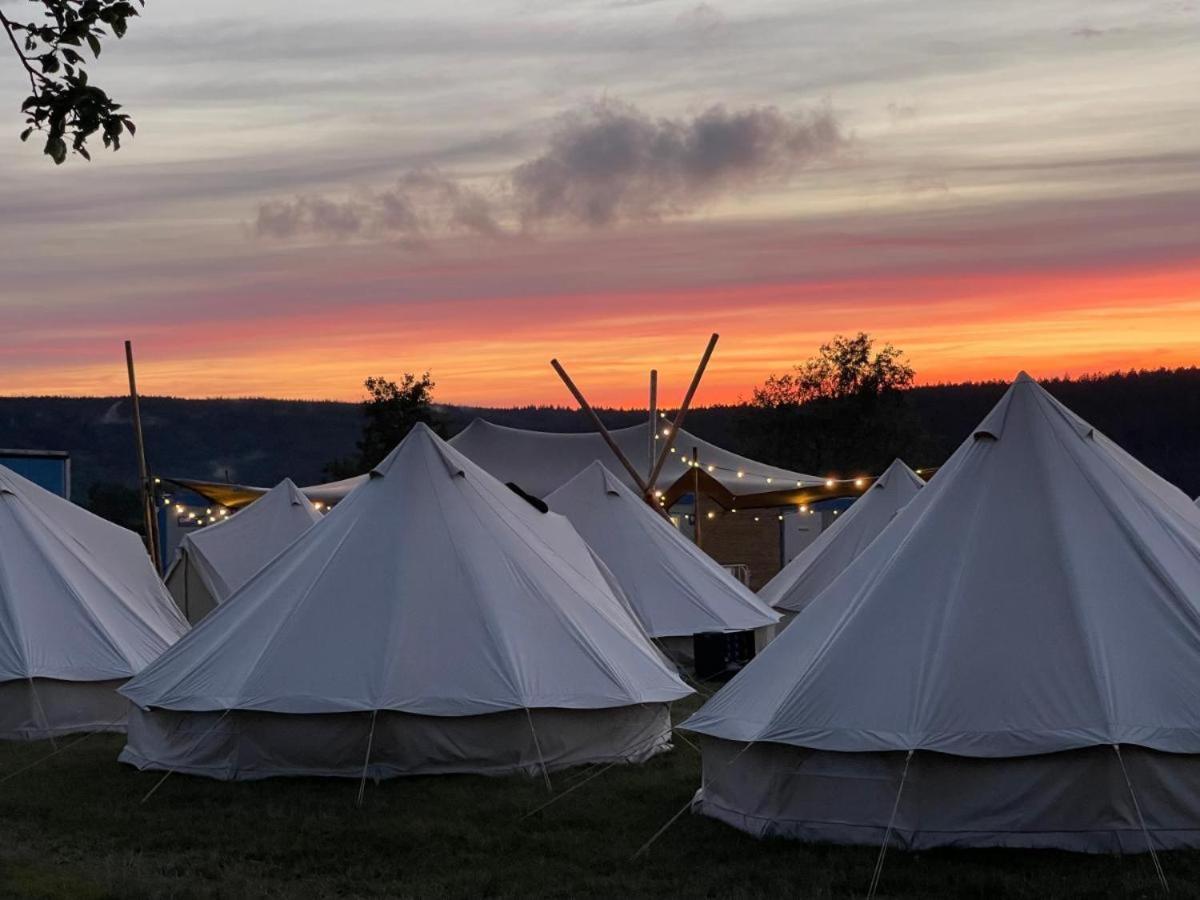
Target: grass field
<point x="73" y="827"/>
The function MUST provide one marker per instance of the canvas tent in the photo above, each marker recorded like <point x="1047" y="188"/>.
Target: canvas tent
<point x="676" y="589"/>
<point x="1019" y="650"/>
<point x="838" y="545"/>
<point x="542" y="461"/>
<point x="212" y="562"/>
<point x="238" y="496"/>
<point x="81" y="610"/>
<point x="434" y="616"/>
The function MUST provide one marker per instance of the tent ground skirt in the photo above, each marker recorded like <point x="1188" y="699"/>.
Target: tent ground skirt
<point x="247" y="745"/>
<point x="1076" y="800"/>
<point x="42" y="708"/>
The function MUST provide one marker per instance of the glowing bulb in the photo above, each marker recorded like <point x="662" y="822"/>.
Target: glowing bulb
<point x="712" y="515"/>
<point x="756" y="518"/>
<point x="835" y="512"/>
<point x="658" y="494"/>
<point x="781" y="518"/>
<point x="666" y="432"/>
<point x="858" y="482"/>
<point x="768" y="481"/>
<point x="741" y="474"/>
<point x="208" y="512"/>
<point x="157" y="480"/>
<point x="828" y="482"/>
<point x="711" y="468"/>
<point x="799" y="484"/>
<point x="803" y="507"/>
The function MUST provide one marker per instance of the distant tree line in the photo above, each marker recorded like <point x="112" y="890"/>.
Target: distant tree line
<point x="847" y="424"/>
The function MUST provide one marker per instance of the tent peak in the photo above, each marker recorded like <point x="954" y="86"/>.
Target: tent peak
<point x="897" y="468"/>
<point x="612" y="484"/>
<point x="294" y="496"/>
<point x="420" y="435"/>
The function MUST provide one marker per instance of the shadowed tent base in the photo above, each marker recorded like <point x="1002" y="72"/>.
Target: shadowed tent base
<point x="248" y="745"/>
<point x="1077" y="800"/>
<point x="46" y="707"/>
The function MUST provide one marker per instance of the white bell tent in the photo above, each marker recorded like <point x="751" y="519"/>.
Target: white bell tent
<point x="434" y="622"/>
<point x="838" y="545"/>
<point x="1011" y="662"/>
<point x="211" y="563"/>
<point x="676" y="589"/>
<point x="81" y="610"/>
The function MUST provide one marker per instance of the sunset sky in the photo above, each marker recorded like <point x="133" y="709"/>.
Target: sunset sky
<point x="318" y="193"/>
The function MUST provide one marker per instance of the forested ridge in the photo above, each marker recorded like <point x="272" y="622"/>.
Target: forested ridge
<point x="1155" y="415"/>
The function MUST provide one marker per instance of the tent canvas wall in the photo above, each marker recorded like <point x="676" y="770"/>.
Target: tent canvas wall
<point x="1023" y="635"/>
<point x="433" y="615"/>
<point x="81" y="610"/>
<point x="675" y="588"/>
<point x="211" y="563"/>
<point x="541" y="461"/>
<point x="837" y="546"/>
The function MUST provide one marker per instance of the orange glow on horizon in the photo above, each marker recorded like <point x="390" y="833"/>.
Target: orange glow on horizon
<point x="480" y="353"/>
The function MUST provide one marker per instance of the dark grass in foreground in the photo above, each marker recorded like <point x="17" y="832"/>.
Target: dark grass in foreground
<point x="73" y="827"/>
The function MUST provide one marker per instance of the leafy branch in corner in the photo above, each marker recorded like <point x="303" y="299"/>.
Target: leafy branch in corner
<point x="62" y="105"/>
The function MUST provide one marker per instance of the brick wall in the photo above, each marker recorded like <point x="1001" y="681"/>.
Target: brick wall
<point x="749" y="537"/>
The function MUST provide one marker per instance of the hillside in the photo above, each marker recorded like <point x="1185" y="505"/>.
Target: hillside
<point x="1155" y="415"/>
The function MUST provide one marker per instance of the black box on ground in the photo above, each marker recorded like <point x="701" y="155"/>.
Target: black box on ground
<point x="720" y="656"/>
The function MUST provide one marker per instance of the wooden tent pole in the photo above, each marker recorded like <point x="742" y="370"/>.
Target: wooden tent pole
<point x="148" y="510"/>
<point x="683" y="410"/>
<point x="653" y="419"/>
<point x="586" y="407"/>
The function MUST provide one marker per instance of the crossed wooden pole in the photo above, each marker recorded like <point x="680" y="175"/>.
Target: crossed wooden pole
<point x="645" y="485"/>
<point x="149" y="511"/>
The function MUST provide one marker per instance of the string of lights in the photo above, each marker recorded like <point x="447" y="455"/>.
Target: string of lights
<point x="858" y="482"/>
<point x="773" y="478"/>
<point x="211" y="515"/>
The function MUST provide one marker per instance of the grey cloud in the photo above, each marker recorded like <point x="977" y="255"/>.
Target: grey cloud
<point x="602" y="165"/>
<point x="611" y="162"/>
<point x="899" y="112"/>
<point x="421" y="204"/>
<point x="702" y="23"/>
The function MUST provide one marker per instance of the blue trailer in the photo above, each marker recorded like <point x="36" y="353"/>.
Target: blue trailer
<point x="50" y="469"/>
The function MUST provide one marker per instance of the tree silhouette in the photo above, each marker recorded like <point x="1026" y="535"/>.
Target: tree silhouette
<point x="391" y="411"/>
<point x="62" y="104"/>
<point x="843" y="408"/>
